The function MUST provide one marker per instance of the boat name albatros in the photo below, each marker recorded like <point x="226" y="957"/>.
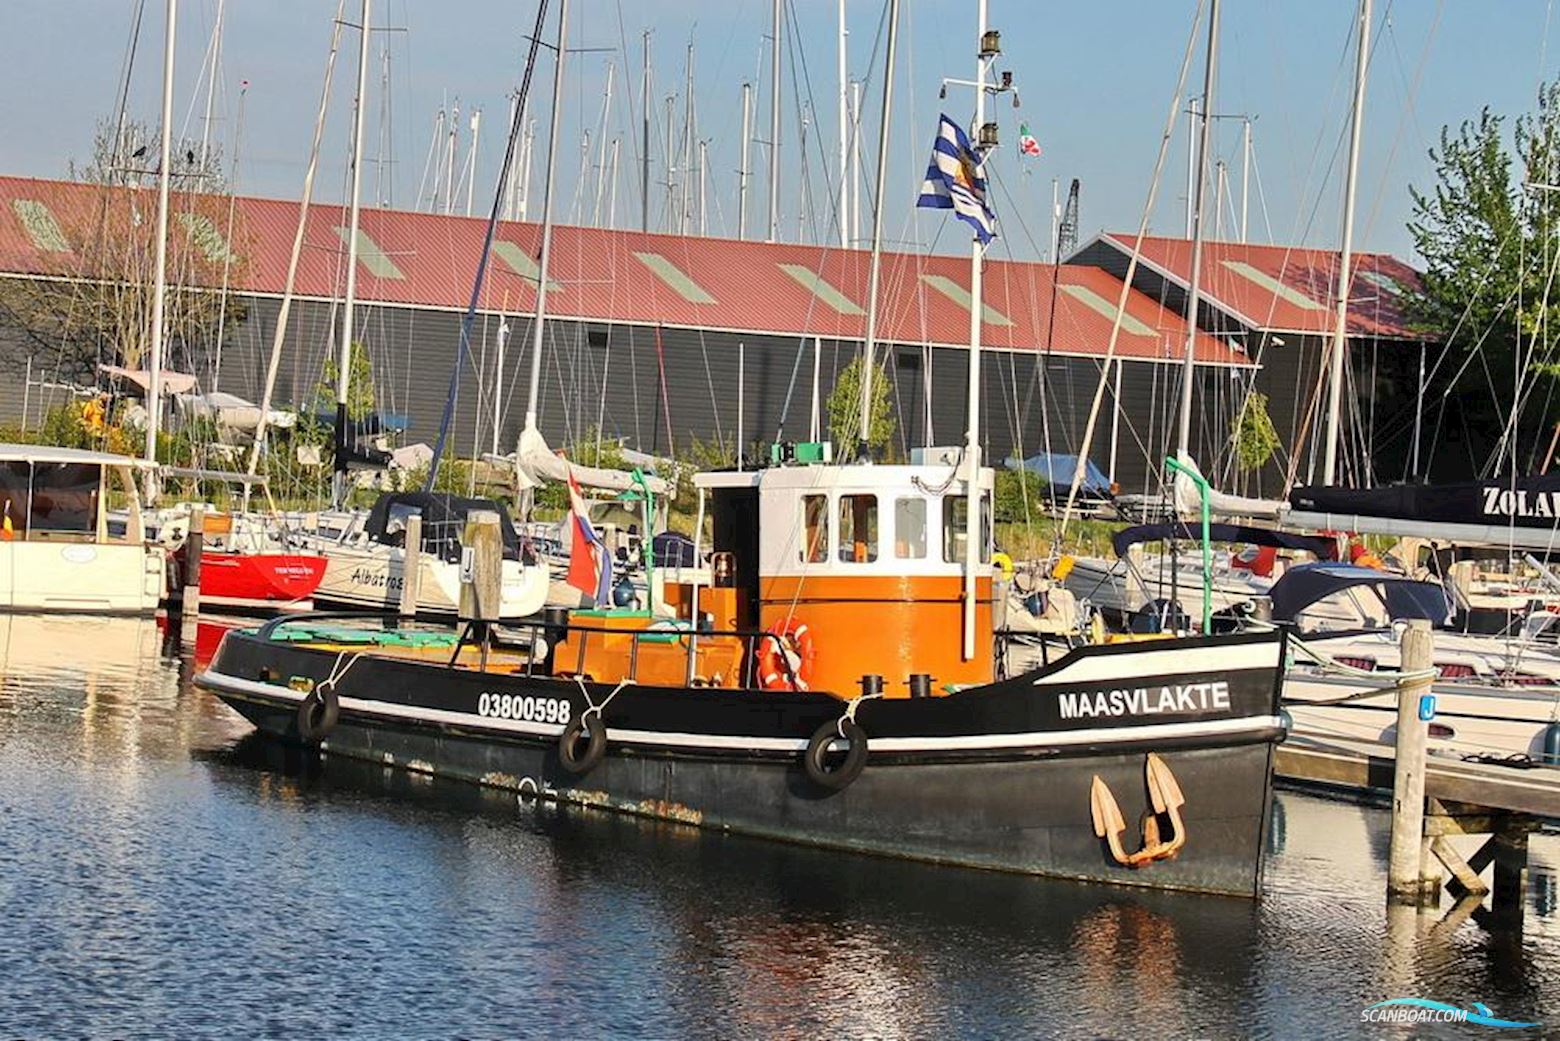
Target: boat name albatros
<point x="1204" y="696"/>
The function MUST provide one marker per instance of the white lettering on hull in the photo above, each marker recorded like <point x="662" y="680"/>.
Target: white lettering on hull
<point x="1202" y="696"/>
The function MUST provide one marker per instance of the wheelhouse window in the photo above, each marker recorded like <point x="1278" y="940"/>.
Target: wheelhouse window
<point x="956" y="511"/>
<point x="815" y="529"/>
<point x="910" y="529"/>
<point x="858" y="529"/>
<point x="64" y="499"/>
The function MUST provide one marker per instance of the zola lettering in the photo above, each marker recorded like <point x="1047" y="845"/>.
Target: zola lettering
<point x="1504" y="502"/>
<point x="1206" y="696"/>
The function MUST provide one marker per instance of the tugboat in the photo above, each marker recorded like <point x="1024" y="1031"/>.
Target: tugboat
<point x="819" y="690"/>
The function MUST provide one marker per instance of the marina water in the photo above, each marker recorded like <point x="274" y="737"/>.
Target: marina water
<point x="165" y="873"/>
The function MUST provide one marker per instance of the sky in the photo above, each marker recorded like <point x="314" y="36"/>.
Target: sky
<point x="1095" y="83"/>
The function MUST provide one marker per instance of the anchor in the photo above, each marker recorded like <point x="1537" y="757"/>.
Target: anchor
<point x="1164" y="794"/>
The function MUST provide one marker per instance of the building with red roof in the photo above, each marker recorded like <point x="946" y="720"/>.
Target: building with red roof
<point x="649" y="336"/>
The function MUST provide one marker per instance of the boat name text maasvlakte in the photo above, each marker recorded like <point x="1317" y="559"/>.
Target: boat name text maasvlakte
<point x="1203" y="696"/>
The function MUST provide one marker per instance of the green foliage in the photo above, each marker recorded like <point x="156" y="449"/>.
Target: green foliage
<point x="360" y="385"/>
<point x="1489" y="248"/>
<point x="845" y="411"/>
<point x="1012" y="488"/>
<point x="1255" y="437"/>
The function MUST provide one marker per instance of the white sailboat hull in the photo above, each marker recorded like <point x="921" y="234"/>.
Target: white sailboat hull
<point x="371" y="576"/>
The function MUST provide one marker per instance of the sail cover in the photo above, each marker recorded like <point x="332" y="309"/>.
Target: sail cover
<point x="1523" y="502"/>
<point x="536" y="463"/>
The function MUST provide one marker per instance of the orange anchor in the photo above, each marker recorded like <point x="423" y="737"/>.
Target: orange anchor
<point x="1164" y="794"/>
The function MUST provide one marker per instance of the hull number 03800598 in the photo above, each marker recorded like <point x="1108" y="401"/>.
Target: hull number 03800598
<point x="523" y="706"/>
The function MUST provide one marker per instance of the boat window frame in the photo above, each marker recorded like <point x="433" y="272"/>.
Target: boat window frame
<point x="922" y="523"/>
<point x="951" y="529"/>
<point x="846" y="553"/>
<point x="809" y="549"/>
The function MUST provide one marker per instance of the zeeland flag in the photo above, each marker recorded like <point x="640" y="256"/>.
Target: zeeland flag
<point x="590" y="565"/>
<point x="1028" y="144"/>
<point x="955" y="181"/>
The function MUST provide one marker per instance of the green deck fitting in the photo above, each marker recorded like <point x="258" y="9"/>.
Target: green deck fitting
<point x="520" y="263"/>
<point x="202" y="231"/>
<point x="370" y="255"/>
<point x="961" y="296"/>
<point x="40" y="226"/>
<point x="1094" y="302"/>
<point x="673" y="276"/>
<point x="821" y="289"/>
<point x="1272" y="285"/>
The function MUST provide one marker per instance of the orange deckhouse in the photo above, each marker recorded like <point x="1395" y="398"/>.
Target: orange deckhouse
<point x="851" y="571"/>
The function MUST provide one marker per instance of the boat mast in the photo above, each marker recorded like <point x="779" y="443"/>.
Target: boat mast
<point x="742" y="175"/>
<point x="972" y="527"/>
<point x="1194" y="293"/>
<point x="280" y="335"/>
<point x="160" y="279"/>
<point x="644" y="167"/>
<point x="539" y="321"/>
<point x="1346" y="254"/>
<point x="344" y="359"/>
<point x="774" y="125"/>
<point x="841" y="208"/>
<point x="869" y="345"/>
<point x="211" y="89"/>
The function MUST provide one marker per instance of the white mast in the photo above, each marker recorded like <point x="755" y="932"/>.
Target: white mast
<point x="1191" y="161"/>
<point x="774" y="125"/>
<point x="612" y="164"/>
<point x="1194" y="295"/>
<point x="855" y="162"/>
<point x="280" y="335"/>
<point x="160" y="282"/>
<point x="528" y="151"/>
<point x="704" y="212"/>
<point x="1346" y="254"/>
<point x="449" y="159"/>
<point x="842" y="206"/>
<point x="534" y="389"/>
<point x="211" y="88"/>
<point x="869" y="345"/>
<point x="1245" y="172"/>
<point x="471" y="158"/>
<point x="686" y="198"/>
<point x="972" y="530"/>
<point x="498" y="375"/>
<point x="601" y="155"/>
<point x="344" y="360"/>
<point x="743" y="173"/>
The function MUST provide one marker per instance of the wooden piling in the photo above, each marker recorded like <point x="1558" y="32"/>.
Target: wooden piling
<point x="411" y="567"/>
<point x="1405" y="877"/>
<point x="189" y="603"/>
<point x="481" y="567"/>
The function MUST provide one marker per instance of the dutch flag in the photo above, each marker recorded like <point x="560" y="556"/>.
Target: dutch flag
<point x="955" y="181"/>
<point x="590" y="565"/>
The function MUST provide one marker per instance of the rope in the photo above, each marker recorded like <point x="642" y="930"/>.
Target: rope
<point x="595" y="708"/>
<point x="1401" y="679"/>
<point x="850" y="711"/>
<point x="338" y="671"/>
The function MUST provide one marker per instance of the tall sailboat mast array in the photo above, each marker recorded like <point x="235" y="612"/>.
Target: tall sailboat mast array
<point x="160" y="278"/>
<point x="339" y="485"/>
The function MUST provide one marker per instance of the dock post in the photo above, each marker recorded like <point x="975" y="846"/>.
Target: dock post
<point x="481" y="577"/>
<point x="189" y="605"/>
<point x="1405" y="881"/>
<point x="411" y="567"/>
<point x="1510" y="848"/>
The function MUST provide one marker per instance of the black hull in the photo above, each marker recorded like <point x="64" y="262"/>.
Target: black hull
<point x="1018" y="809"/>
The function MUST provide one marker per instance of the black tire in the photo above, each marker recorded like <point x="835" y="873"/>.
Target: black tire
<point x="816" y="759"/>
<point x="317" y="715"/>
<point x="590" y="727"/>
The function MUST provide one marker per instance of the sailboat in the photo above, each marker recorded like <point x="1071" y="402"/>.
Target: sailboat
<point x="836" y="682"/>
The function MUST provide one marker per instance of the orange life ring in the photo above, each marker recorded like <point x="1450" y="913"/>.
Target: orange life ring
<point x="795" y="640"/>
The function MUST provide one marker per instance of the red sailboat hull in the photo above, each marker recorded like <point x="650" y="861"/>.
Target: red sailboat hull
<point x="259" y="578"/>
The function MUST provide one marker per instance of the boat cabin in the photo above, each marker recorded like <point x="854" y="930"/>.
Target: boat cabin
<point x="57" y="548"/>
<point x="857" y="569"/>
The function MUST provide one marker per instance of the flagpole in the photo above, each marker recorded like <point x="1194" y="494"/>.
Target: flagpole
<point x="972" y="549"/>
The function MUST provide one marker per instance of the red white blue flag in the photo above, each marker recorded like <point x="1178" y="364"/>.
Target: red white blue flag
<point x="590" y="565"/>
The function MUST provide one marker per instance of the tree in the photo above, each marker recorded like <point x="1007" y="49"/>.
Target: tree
<point x="1491" y="249"/>
<point x="1255" y="438"/>
<point x="102" y="312"/>
<point x="360" y="385"/>
<point x="845" y="411"/>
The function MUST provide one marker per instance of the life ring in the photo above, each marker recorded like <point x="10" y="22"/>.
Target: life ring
<point x="816" y="759"/>
<point x="317" y="714"/>
<point x="789" y="655"/>
<point x="587" y="725"/>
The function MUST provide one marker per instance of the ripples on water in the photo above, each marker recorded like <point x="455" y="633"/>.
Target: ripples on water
<point x="163" y="872"/>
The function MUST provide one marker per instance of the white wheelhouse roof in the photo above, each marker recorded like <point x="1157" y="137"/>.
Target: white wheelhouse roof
<point x="55" y="454"/>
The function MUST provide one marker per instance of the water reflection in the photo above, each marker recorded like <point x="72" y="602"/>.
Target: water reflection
<point x="164" y="870"/>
